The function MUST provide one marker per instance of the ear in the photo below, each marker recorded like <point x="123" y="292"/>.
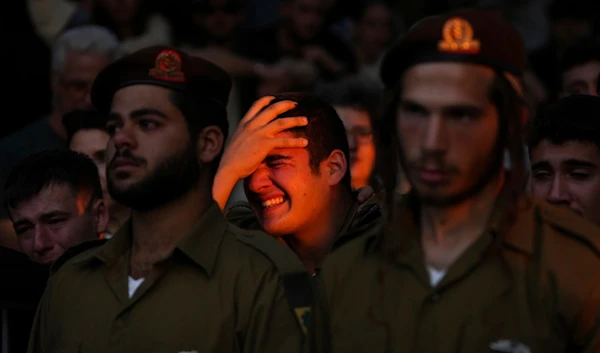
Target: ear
<point x="336" y="167"/>
<point x="100" y="216"/>
<point x="210" y="144"/>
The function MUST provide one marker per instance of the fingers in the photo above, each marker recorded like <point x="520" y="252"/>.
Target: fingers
<point x="364" y="193"/>
<point x="256" y="107"/>
<point x="283" y="124"/>
<point x="271" y="112"/>
<point x="288" y="142"/>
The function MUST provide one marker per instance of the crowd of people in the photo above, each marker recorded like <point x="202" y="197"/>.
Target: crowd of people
<point x="351" y="177"/>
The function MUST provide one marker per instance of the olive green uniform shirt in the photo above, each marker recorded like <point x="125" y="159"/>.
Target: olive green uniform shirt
<point x="530" y="287"/>
<point x="216" y="293"/>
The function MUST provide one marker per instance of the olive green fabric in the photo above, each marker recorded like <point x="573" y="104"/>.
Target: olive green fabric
<point x="215" y="293"/>
<point x="532" y="286"/>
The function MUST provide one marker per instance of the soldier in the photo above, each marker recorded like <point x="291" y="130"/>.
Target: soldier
<point x="292" y="152"/>
<point x="467" y="263"/>
<point x="175" y="277"/>
<point x="564" y="146"/>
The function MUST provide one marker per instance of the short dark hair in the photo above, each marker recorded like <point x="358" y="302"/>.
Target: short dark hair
<point x="573" y="118"/>
<point x="566" y="9"/>
<point x="78" y="120"/>
<point x="579" y="52"/>
<point x="199" y="113"/>
<point x="325" y="131"/>
<point x="51" y="167"/>
<point x="356" y="92"/>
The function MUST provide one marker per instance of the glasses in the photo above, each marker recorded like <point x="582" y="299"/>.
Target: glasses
<point x="362" y="134"/>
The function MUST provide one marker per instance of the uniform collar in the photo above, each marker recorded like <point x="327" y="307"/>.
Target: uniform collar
<point x="201" y="244"/>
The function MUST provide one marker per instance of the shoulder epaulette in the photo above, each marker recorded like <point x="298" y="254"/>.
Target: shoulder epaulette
<point x="296" y="281"/>
<point x="74" y="251"/>
<point x="573" y="226"/>
<point x="241" y="214"/>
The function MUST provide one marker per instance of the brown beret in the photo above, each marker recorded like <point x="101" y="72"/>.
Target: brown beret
<point x="468" y="35"/>
<point x="162" y="66"/>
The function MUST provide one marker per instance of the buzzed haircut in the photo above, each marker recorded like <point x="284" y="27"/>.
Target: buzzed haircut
<point x="51" y="167"/>
<point x="573" y="118"/>
<point x="325" y="131"/>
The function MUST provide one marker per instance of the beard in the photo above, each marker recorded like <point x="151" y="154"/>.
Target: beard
<point x="482" y="177"/>
<point x="169" y="181"/>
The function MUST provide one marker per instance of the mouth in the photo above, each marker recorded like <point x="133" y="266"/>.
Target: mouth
<point x="123" y="163"/>
<point x="433" y="175"/>
<point x="269" y="205"/>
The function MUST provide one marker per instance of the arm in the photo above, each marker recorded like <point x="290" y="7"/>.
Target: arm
<point x="586" y="333"/>
<point x="272" y="326"/>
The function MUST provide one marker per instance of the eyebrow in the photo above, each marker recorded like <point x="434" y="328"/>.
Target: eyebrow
<point x="276" y="157"/>
<point x="447" y="110"/>
<point x="573" y="163"/>
<point x="45" y="216"/>
<point x="138" y="113"/>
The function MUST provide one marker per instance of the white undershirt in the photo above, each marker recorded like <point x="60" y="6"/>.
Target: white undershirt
<point x="134" y="285"/>
<point x="435" y="275"/>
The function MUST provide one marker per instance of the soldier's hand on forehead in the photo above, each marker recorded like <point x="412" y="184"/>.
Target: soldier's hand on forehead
<point x="256" y="136"/>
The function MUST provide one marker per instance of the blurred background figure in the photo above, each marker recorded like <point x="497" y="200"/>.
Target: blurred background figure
<point x="77" y="57"/>
<point x="357" y="102"/>
<point x="580" y="67"/>
<point x="86" y="133"/>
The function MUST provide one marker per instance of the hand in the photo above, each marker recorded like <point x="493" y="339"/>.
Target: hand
<point x="255" y="137"/>
<point x="364" y="194"/>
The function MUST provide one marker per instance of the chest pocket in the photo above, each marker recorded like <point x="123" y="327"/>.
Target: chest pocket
<point x="507" y="325"/>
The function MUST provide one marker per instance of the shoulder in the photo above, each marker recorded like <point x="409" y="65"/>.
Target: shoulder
<point x="241" y="214"/>
<point x="78" y="252"/>
<point x="269" y="248"/>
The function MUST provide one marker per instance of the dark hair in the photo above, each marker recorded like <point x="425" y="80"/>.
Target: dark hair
<point x="354" y="92"/>
<point x="101" y="16"/>
<point x="51" y="167"/>
<point x="200" y="113"/>
<point x="580" y="51"/>
<point x="78" y="120"/>
<point x="566" y="9"/>
<point x="325" y="131"/>
<point x="573" y="118"/>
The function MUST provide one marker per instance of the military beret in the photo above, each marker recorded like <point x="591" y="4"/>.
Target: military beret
<point x="161" y="66"/>
<point x="468" y="35"/>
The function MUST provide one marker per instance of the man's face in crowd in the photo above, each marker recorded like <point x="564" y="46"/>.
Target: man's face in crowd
<point x="360" y="140"/>
<point x="220" y="18"/>
<point x="286" y="194"/>
<point x="92" y="143"/>
<point x="71" y="88"/>
<point x="305" y="17"/>
<point x="582" y="79"/>
<point x="448" y="129"/>
<point x="568" y="174"/>
<point x="56" y="219"/>
<point x="153" y="160"/>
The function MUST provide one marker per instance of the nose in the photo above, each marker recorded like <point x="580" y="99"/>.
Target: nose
<point x="558" y="193"/>
<point x="123" y="138"/>
<point x="42" y="241"/>
<point x="259" y="181"/>
<point x="434" y="137"/>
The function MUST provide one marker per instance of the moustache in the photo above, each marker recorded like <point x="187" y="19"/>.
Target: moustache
<point x="126" y="154"/>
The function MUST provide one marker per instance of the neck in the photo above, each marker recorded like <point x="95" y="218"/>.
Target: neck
<point x="155" y="233"/>
<point x="364" y="58"/>
<point x="312" y="243"/>
<point x="55" y="122"/>
<point x="462" y="221"/>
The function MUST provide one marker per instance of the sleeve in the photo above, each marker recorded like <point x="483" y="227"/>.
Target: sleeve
<point x="586" y="338"/>
<point x="49" y="17"/>
<point x="272" y="325"/>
